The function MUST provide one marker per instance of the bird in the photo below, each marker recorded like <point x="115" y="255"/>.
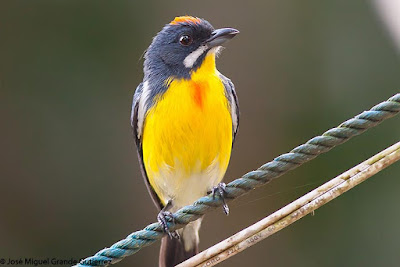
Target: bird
<point x="185" y="116"/>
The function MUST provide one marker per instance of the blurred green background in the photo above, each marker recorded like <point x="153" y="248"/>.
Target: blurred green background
<point x="70" y="180"/>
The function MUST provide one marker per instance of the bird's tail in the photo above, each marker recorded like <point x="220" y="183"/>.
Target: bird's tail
<point x="174" y="251"/>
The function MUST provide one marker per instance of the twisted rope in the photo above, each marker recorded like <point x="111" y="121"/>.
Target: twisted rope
<point x="273" y="169"/>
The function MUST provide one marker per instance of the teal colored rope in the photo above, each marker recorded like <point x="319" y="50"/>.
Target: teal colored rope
<point x="273" y="169"/>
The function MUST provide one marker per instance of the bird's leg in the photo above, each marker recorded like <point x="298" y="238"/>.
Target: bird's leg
<point x="162" y="217"/>
<point x="220" y="190"/>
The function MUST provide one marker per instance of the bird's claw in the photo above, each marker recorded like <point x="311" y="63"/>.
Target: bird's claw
<point x="162" y="218"/>
<point x="220" y="190"/>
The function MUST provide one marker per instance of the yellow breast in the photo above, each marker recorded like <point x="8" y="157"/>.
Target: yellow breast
<point x="188" y="133"/>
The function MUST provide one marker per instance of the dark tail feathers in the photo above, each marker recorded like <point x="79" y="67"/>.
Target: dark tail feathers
<point x="174" y="251"/>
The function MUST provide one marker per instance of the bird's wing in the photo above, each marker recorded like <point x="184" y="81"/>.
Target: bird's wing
<point x="234" y="104"/>
<point x="139" y="109"/>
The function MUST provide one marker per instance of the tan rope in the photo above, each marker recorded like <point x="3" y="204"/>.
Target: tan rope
<point x="295" y="210"/>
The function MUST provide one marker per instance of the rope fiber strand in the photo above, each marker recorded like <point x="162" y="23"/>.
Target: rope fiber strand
<point x="273" y="169"/>
<point x="294" y="211"/>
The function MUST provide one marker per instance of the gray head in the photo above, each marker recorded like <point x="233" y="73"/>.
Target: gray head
<point x="181" y="46"/>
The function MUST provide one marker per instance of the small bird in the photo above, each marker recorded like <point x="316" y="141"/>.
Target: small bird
<point x="185" y="117"/>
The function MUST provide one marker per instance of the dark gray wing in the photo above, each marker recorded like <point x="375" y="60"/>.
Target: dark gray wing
<point x="234" y="104"/>
<point x="137" y="127"/>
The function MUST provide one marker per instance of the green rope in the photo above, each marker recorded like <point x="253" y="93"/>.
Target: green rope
<point x="273" y="169"/>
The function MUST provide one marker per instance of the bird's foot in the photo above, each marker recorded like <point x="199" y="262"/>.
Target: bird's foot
<point x="162" y="218"/>
<point x="220" y="190"/>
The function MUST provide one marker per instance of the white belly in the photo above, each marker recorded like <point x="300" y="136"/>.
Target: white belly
<point x="184" y="189"/>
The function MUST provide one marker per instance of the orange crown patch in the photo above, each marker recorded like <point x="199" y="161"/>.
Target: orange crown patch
<point x="185" y="19"/>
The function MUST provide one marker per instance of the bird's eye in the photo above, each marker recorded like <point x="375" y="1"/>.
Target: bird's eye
<point x="185" y="40"/>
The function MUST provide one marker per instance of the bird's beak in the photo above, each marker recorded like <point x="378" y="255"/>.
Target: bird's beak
<point x="220" y="36"/>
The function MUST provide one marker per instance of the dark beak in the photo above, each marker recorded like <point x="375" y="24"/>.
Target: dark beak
<point x="220" y="36"/>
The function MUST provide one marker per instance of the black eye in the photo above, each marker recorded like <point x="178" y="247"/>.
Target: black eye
<point x="185" y="40"/>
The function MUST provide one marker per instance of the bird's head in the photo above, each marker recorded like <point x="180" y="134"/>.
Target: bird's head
<point x="182" y="45"/>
